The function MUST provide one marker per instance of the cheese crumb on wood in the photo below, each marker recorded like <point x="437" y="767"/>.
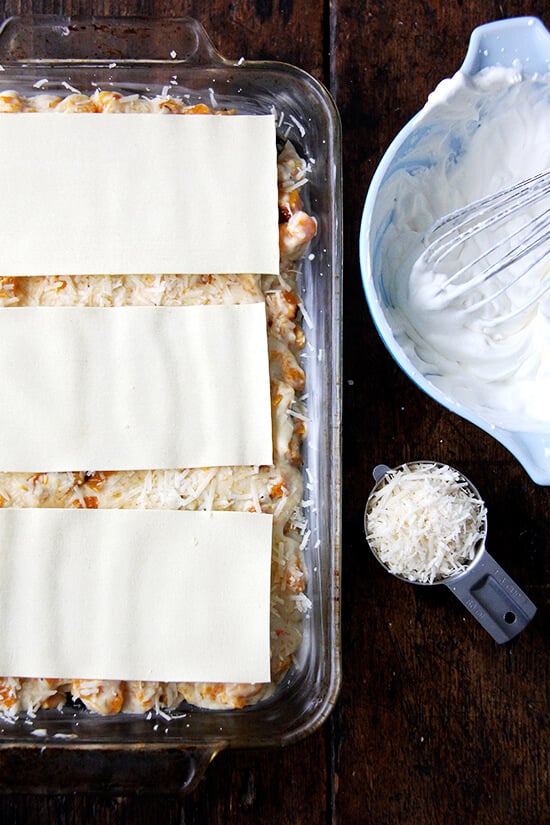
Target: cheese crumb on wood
<point x="424" y="522"/>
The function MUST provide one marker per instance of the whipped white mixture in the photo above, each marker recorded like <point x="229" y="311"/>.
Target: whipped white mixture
<point x="473" y="137"/>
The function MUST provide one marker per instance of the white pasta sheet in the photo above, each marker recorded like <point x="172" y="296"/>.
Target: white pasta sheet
<point x="155" y="595"/>
<point x="138" y="194"/>
<point x="122" y="388"/>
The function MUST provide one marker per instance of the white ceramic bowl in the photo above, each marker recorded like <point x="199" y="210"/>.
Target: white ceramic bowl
<point x="494" y="44"/>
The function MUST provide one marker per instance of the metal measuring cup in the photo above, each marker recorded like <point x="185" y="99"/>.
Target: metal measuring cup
<point x="491" y="596"/>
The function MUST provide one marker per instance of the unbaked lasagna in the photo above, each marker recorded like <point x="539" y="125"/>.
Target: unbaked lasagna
<point x="276" y="489"/>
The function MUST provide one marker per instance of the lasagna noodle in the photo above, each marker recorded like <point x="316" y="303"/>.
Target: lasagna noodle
<point x="134" y="387"/>
<point x="196" y="583"/>
<point x="159" y="194"/>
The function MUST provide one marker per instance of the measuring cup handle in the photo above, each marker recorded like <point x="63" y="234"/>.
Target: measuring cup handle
<point x="495" y="600"/>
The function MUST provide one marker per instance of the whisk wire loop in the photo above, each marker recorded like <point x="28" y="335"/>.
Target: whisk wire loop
<point x="510" y="245"/>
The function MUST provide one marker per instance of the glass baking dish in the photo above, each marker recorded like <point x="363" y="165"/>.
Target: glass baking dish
<point x="76" y="750"/>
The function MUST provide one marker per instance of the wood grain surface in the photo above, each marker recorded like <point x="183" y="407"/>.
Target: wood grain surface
<point x="435" y="722"/>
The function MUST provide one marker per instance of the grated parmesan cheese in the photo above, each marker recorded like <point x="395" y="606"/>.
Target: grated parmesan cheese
<point x="424" y="522"/>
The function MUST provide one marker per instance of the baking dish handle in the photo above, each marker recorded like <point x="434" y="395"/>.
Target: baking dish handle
<point x="103" y="768"/>
<point x="96" y="39"/>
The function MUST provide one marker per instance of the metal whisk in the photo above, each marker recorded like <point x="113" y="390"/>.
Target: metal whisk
<point x="518" y="219"/>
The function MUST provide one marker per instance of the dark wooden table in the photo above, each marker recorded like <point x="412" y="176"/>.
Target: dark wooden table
<point x="435" y="722"/>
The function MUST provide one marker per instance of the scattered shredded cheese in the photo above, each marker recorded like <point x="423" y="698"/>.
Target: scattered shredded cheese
<point x="70" y="88"/>
<point x="424" y="522"/>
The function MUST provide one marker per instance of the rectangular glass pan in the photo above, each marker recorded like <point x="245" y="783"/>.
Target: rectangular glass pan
<point x="76" y="750"/>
